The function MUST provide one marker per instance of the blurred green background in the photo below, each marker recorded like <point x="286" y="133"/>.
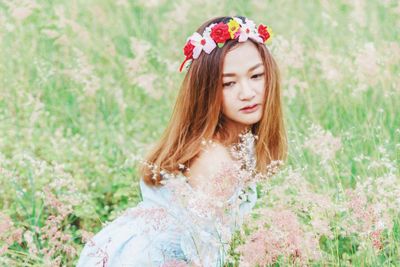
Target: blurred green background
<point x="87" y="86"/>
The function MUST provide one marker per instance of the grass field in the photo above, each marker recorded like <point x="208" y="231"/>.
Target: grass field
<point x="87" y="86"/>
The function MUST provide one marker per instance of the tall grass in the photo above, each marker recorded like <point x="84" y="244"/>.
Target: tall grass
<point x="87" y="86"/>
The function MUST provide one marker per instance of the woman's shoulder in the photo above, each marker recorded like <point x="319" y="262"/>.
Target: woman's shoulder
<point x="212" y="157"/>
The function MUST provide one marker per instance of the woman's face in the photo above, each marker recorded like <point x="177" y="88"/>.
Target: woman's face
<point x="243" y="86"/>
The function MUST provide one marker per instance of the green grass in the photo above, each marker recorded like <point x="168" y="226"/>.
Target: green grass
<point x="50" y="116"/>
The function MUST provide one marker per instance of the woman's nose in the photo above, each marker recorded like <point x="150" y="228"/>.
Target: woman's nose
<point x="246" y="91"/>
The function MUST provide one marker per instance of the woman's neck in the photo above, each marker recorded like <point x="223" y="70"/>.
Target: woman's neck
<point x="231" y="130"/>
<point x="236" y="128"/>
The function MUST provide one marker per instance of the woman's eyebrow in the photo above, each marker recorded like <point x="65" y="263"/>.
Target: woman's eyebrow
<point x="233" y="74"/>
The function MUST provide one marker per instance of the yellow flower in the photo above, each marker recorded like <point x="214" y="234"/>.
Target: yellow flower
<point x="271" y="35"/>
<point x="233" y="27"/>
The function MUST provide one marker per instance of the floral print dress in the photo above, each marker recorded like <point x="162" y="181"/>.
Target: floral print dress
<point x="173" y="225"/>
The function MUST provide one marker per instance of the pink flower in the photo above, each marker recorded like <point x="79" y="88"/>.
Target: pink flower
<point x="175" y="263"/>
<point x="376" y="239"/>
<point x="284" y="237"/>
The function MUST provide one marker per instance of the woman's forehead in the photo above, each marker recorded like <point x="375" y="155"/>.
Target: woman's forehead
<point x="242" y="58"/>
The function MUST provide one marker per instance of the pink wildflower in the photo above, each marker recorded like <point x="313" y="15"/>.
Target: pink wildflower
<point x="175" y="263"/>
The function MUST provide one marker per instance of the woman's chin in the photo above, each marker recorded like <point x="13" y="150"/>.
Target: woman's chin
<point x="250" y="119"/>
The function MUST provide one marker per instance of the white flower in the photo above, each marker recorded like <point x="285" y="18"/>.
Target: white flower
<point x="207" y="31"/>
<point x="248" y="30"/>
<point x="201" y="43"/>
<point x="380" y="225"/>
<point x="181" y="166"/>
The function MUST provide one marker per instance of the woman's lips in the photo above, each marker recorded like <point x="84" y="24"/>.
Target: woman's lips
<point x="250" y="109"/>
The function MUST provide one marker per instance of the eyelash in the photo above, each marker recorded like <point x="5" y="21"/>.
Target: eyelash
<point x="227" y="84"/>
<point x="258" y="75"/>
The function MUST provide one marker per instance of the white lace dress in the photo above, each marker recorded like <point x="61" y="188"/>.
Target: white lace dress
<point x="173" y="223"/>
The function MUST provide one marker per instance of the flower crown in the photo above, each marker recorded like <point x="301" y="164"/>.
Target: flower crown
<point x="217" y="34"/>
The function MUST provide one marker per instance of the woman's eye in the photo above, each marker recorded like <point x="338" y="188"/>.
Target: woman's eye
<point x="229" y="84"/>
<point x="257" y="75"/>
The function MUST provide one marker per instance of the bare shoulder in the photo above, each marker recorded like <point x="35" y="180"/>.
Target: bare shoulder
<point x="209" y="161"/>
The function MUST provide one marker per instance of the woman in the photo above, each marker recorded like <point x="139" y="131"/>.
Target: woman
<point x="199" y="180"/>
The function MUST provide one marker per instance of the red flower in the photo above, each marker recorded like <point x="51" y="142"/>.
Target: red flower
<point x="188" y="50"/>
<point x="263" y="32"/>
<point x="220" y="33"/>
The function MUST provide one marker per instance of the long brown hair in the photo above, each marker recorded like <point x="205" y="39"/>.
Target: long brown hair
<point x="197" y="115"/>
